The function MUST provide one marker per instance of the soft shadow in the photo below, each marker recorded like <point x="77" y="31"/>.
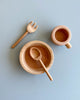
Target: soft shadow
<point x="14" y="56"/>
<point x="14" y="62"/>
<point x="45" y="35"/>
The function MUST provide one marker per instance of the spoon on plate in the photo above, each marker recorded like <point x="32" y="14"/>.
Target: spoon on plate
<point x="35" y="53"/>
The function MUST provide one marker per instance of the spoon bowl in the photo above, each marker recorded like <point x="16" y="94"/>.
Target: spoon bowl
<point x="36" y="55"/>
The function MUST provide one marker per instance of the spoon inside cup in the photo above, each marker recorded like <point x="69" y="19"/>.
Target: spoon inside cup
<point x="35" y="53"/>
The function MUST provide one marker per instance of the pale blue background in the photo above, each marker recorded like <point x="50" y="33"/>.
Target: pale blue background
<point x="15" y="83"/>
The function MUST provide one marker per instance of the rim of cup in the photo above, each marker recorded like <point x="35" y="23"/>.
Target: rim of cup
<point x="54" y="32"/>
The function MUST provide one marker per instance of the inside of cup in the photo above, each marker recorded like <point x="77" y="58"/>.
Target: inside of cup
<point x="61" y="35"/>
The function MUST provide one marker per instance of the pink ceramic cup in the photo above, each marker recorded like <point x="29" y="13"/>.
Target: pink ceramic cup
<point x="61" y="35"/>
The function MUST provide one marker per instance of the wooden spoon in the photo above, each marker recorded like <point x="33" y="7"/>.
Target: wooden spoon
<point x="36" y="55"/>
<point x="30" y="29"/>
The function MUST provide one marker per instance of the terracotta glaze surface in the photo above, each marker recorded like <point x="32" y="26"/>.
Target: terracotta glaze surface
<point x="31" y="65"/>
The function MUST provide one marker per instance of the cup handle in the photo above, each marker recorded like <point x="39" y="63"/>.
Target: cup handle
<point x="68" y="45"/>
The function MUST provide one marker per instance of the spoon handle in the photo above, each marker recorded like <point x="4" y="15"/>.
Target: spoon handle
<point x="48" y="74"/>
<point x="17" y="42"/>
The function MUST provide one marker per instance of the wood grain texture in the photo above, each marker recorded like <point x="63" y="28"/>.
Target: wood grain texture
<point x="30" y="29"/>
